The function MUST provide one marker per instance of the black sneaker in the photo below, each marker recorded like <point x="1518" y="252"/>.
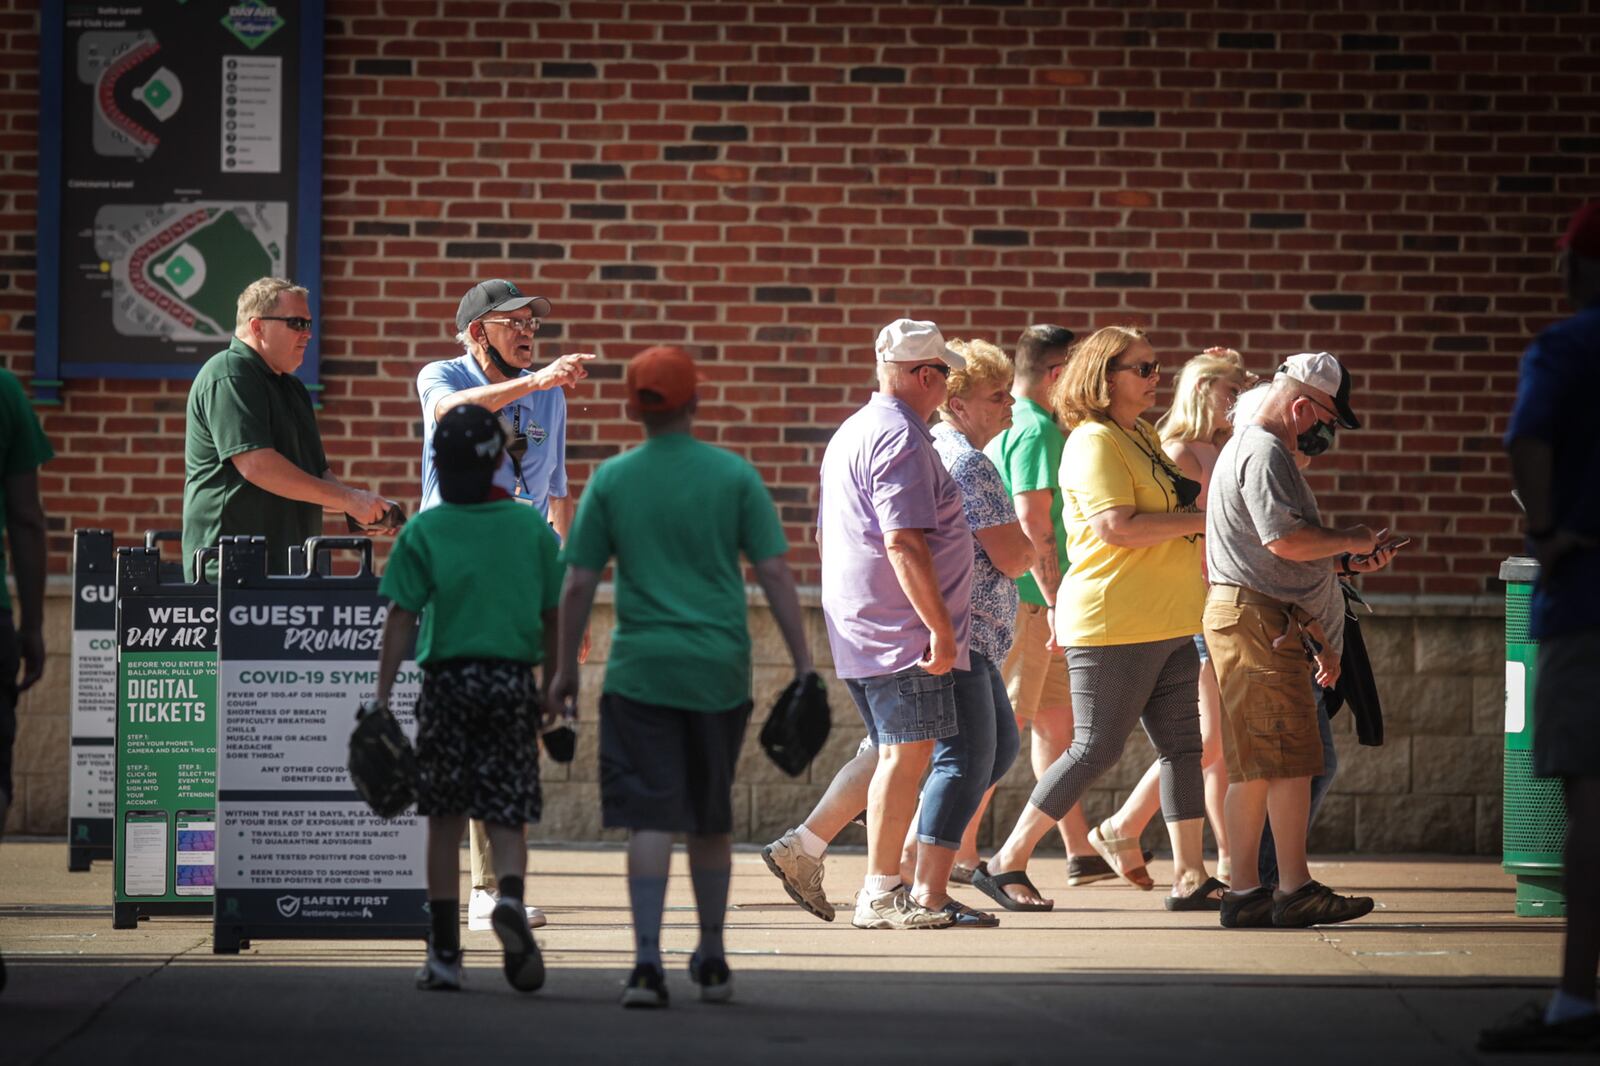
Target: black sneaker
<point x="1247" y="910"/>
<point x="713" y="977"/>
<point x="1314" y="903"/>
<point x="646" y="987"/>
<point x="1526" y="1030"/>
<point x="524" y="966"/>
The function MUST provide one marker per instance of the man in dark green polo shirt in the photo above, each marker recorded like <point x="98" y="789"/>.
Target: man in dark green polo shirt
<point x="253" y="459"/>
<point x="23" y="449"/>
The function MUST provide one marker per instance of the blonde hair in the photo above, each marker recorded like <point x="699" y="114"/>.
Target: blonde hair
<point x="1189" y="417"/>
<point x="986" y="365"/>
<point x="261" y="296"/>
<point x="1082" y="393"/>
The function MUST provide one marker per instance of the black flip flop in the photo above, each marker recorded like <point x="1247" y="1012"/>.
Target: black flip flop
<point x="1200" y="899"/>
<point x="966" y="917"/>
<point x="994" y="886"/>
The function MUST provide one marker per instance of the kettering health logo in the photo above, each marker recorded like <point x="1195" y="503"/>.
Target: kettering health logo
<point x="252" y="22"/>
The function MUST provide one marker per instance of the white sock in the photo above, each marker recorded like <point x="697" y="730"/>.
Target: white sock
<point x="813" y="845"/>
<point x="1564" y="1006"/>
<point x="878" y="884"/>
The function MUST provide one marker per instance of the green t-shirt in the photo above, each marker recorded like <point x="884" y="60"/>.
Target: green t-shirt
<point x="239" y="404"/>
<point x="23" y="448"/>
<point x="481" y="575"/>
<point x="1028" y="456"/>
<point x="676" y="513"/>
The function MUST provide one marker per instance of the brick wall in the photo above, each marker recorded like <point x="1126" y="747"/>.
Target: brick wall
<point x="767" y="183"/>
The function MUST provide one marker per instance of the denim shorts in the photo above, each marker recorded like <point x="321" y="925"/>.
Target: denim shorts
<point x="906" y="707"/>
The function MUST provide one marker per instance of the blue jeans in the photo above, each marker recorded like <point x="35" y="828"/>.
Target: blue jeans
<point x="905" y="707"/>
<point x="1267" y="858"/>
<point x="965" y="765"/>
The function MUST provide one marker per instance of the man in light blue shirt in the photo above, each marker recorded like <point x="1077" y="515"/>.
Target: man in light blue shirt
<point x="496" y="324"/>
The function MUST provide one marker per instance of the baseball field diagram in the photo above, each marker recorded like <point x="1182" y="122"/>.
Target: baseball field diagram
<point x="105" y="61"/>
<point x="177" y="269"/>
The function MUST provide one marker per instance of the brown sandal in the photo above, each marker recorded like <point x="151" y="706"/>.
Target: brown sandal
<point x="1111" y="848"/>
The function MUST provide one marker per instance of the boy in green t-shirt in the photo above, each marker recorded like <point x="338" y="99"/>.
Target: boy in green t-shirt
<point x="676" y="515"/>
<point x="481" y="571"/>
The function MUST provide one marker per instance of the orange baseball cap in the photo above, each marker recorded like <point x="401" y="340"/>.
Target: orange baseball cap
<point x="661" y="379"/>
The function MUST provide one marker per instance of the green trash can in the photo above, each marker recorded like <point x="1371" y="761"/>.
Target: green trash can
<point x="1534" y="831"/>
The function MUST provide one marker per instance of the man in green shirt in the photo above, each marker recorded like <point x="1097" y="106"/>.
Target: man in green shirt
<point x="676" y="515"/>
<point x="252" y="456"/>
<point x="23" y="449"/>
<point x="1028" y="456"/>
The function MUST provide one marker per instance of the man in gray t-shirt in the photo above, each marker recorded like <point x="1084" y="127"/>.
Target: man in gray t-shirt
<point x="1274" y="618"/>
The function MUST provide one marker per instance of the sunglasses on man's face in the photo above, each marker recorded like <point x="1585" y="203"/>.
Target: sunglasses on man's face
<point x="1144" y="370"/>
<point x="942" y="368"/>
<point x="295" y="322"/>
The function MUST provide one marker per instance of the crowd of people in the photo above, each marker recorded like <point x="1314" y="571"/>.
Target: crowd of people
<point x="1007" y="544"/>
<point x="1041" y="557"/>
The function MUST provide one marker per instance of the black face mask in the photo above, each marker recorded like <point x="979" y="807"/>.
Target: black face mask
<point x="1316" y="440"/>
<point x="498" y="360"/>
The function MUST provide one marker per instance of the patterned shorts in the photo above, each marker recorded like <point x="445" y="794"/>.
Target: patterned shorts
<point x="478" y="741"/>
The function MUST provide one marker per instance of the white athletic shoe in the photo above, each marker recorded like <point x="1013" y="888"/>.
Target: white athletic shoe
<point x="440" y="972"/>
<point x="480" y="909"/>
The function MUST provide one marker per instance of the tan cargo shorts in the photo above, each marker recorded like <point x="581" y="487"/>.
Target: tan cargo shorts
<point x="1269" y="708"/>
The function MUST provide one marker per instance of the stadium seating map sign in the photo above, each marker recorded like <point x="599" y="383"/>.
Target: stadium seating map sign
<point x="183" y="166"/>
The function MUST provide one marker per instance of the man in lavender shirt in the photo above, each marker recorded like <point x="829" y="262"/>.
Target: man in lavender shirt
<point x="897" y="595"/>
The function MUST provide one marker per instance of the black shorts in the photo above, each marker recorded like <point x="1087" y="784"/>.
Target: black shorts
<point x="10" y="660"/>
<point x="478" y="741"/>
<point x="668" y="769"/>
<point x="1566" y="720"/>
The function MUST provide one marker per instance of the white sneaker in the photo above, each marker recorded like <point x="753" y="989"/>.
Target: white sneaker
<point x="440" y="972"/>
<point x="896" y="910"/>
<point x="480" y="908"/>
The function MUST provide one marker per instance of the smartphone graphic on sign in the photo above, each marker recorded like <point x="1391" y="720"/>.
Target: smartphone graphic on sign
<point x="197" y="853"/>
<point x="144" y="846"/>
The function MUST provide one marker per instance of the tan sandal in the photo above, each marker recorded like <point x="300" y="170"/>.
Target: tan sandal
<point x="1111" y="848"/>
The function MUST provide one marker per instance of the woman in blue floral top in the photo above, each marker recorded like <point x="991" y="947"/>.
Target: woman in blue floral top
<point x="978" y="407"/>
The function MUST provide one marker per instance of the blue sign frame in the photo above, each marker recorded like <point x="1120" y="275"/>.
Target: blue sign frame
<point x="50" y="371"/>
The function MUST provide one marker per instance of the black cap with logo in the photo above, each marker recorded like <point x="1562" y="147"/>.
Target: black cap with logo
<point x="467" y="447"/>
<point x="496" y="294"/>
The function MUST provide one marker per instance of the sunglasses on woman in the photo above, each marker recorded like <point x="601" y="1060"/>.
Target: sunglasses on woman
<point x="1144" y="370"/>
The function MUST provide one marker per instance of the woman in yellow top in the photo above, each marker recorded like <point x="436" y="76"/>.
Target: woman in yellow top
<point x="1127" y="612"/>
<point x="1193" y="431"/>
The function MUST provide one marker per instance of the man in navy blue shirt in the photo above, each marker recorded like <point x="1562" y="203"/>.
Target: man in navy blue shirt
<point x="1555" y="461"/>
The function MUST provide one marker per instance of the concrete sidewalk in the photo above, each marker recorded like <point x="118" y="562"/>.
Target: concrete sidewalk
<point x="1108" y="976"/>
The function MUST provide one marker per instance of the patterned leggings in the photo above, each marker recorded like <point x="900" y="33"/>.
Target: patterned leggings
<point x="1113" y="688"/>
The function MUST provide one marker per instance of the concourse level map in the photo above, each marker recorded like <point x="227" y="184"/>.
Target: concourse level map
<point x="183" y="171"/>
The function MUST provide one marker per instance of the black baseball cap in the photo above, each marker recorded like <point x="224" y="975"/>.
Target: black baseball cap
<point x="467" y="446"/>
<point x="497" y="294"/>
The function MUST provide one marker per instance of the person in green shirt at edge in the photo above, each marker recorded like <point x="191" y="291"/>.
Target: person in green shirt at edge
<point x="1028" y="456"/>
<point x="252" y="456"/>
<point x="481" y="570"/>
<point x="675" y="514"/>
<point x="23" y="450"/>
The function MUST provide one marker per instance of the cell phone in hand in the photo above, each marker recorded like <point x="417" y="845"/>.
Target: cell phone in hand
<point x="1392" y="545"/>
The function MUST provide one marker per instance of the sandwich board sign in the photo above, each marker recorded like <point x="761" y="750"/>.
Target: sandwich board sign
<point x="300" y="855"/>
<point x="166" y="742"/>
